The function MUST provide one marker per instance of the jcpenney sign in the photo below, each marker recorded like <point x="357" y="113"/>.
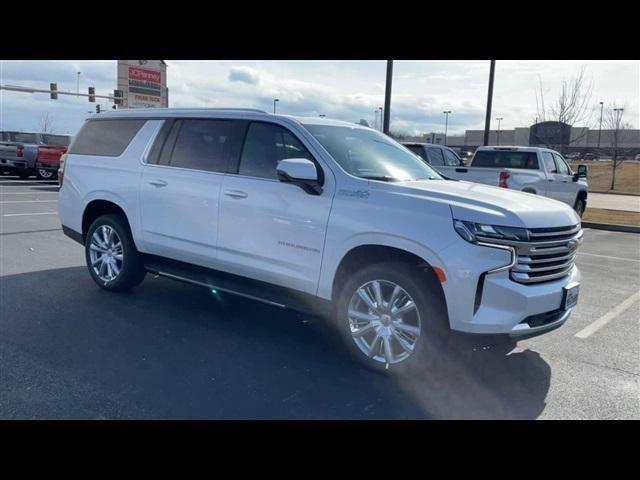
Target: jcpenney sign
<point x="144" y="81"/>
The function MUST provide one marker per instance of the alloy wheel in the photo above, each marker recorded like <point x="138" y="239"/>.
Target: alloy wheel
<point x="384" y="321"/>
<point x="106" y="253"/>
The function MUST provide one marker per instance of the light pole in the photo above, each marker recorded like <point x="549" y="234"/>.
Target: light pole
<point x="78" y="84"/>
<point x="275" y="100"/>
<point x="387" y="99"/>
<point x="600" y="129"/>
<point x="446" y="125"/>
<point x="487" y="120"/>
<point x="381" y="111"/>
<point x="375" y="119"/>
<point x="499" y="120"/>
<point x="615" y="133"/>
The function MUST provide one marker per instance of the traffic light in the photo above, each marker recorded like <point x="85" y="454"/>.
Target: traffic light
<point x="54" y="91"/>
<point x="92" y="94"/>
<point x="117" y="97"/>
<point x="98" y="108"/>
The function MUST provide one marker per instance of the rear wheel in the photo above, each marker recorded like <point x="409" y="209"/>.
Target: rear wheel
<point x="44" y="174"/>
<point x="112" y="258"/>
<point x="390" y="318"/>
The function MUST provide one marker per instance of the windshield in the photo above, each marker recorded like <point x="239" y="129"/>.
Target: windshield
<point x="371" y="155"/>
<point x="55" y="139"/>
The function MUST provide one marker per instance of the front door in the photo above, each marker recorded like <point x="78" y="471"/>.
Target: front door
<point x="270" y="230"/>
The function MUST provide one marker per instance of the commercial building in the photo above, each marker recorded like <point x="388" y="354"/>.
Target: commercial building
<point x="559" y="136"/>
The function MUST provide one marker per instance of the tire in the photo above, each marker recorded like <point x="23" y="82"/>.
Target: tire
<point x="130" y="268"/>
<point x="429" y="317"/>
<point x="580" y="207"/>
<point x="43" y="174"/>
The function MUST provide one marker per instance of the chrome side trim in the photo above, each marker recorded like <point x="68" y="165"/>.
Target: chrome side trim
<point x="206" y="285"/>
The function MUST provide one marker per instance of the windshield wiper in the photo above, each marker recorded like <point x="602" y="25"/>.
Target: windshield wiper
<point x="382" y="178"/>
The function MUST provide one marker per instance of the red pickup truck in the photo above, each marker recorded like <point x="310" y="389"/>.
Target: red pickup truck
<point x="48" y="161"/>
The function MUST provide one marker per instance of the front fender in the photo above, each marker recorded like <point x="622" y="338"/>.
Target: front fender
<point x="334" y="256"/>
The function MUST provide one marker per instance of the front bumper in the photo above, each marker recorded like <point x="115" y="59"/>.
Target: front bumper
<point x="491" y="303"/>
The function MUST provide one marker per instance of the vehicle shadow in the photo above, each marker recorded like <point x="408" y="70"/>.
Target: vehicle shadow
<point x="171" y="350"/>
<point x="491" y="383"/>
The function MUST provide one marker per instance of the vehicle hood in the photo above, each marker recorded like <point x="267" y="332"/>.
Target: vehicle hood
<point x="491" y="205"/>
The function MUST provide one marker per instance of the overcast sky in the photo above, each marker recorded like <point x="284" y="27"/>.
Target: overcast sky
<point x="347" y="90"/>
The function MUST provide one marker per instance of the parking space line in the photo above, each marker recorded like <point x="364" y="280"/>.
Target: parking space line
<point x="609" y="256"/>
<point x="25" y="214"/>
<point x="28" y="201"/>
<point x="606" y="318"/>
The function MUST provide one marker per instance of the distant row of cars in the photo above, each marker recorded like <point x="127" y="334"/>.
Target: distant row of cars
<point x="29" y="154"/>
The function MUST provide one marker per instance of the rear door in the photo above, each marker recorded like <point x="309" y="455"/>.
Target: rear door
<point x="180" y="187"/>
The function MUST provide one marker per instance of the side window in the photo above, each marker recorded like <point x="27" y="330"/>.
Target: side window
<point x="203" y="145"/>
<point x="435" y="156"/>
<point x="451" y="159"/>
<point x="107" y="138"/>
<point x="563" y="169"/>
<point x="265" y="145"/>
<point x="549" y="164"/>
<point x="418" y="150"/>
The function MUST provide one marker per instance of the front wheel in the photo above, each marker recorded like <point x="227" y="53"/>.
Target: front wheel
<point x="112" y="258"/>
<point x="580" y="207"/>
<point x="390" y="317"/>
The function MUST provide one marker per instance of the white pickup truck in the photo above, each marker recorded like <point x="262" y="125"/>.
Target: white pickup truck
<point x="535" y="170"/>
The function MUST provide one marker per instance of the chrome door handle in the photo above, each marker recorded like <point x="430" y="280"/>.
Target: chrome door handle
<point x="236" y="193"/>
<point x="158" y="183"/>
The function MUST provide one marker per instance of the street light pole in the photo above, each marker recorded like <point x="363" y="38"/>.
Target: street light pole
<point x="499" y="120"/>
<point x="600" y="129"/>
<point x="381" y="112"/>
<point x="78" y="85"/>
<point x="274" y="104"/>
<point x="446" y="125"/>
<point x="487" y="121"/>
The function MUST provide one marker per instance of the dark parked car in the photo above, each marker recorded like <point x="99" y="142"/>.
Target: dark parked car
<point x="435" y="155"/>
<point x="590" y="156"/>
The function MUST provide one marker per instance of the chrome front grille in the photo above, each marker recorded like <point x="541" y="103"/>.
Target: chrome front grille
<point x="549" y="254"/>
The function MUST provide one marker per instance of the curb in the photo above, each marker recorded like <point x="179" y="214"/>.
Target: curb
<point x="611" y="227"/>
<point x="616" y="193"/>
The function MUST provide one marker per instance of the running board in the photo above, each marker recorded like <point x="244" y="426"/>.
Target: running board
<point x="236" y="285"/>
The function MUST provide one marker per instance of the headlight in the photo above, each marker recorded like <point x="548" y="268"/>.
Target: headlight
<point x="478" y="232"/>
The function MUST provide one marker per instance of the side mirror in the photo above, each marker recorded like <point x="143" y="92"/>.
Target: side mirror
<point x="301" y="172"/>
<point x="581" y="173"/>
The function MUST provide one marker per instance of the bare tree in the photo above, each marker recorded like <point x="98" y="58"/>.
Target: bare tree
<point x="46" y="123"/>
<point x="613" y="121"/>
<point x="572" y="104"/>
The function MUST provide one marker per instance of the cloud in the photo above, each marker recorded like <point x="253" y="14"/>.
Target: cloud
<point x="244" y="74"/>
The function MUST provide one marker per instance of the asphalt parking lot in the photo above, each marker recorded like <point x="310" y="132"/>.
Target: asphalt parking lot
<point x="170" y="350"/>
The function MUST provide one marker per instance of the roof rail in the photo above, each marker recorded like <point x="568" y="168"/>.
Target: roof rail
<point x="240" y="109"/>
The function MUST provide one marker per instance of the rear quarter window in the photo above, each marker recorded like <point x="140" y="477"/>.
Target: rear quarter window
<point x="107" y="138"/>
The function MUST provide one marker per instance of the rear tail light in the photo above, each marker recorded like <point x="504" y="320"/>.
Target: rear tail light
<point x="20" y="151"/>
<point x="504" y="176"/>
<point x="61" y="169"/>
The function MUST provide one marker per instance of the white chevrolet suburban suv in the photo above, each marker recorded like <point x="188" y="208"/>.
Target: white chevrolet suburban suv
<point x="322" y="215"/>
